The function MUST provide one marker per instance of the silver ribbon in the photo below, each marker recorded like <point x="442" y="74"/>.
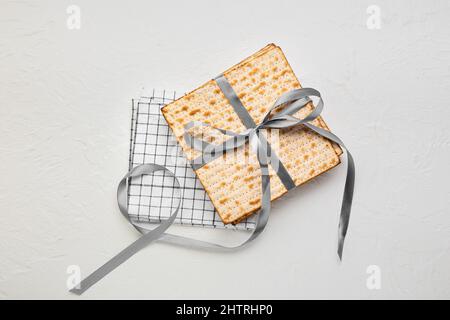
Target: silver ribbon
<point x="293" y="101"/>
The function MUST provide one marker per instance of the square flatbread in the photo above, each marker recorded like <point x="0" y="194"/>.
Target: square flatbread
<point x="233" y="181"/>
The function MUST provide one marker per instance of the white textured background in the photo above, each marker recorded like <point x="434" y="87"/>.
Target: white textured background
<point x="64" y="130"/>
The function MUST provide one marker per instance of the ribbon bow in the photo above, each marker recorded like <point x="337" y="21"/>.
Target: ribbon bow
<point x="293" y="101"/>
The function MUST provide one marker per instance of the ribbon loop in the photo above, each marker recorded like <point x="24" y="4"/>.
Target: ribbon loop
<point x="144" y="240"/>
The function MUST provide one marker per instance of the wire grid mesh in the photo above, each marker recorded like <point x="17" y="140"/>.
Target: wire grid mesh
<point x="151" y="198"/>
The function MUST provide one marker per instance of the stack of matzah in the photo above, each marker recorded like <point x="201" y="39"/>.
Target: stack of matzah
<point x="233" y="181"/>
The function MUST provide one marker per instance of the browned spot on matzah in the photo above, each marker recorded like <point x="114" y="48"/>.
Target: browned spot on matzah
<point x="193" y="112"/>
<point x="259" y="86"/>
<point x="253" y="72"/>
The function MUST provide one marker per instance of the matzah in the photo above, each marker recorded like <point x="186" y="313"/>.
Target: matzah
<point x="233" y="181"/>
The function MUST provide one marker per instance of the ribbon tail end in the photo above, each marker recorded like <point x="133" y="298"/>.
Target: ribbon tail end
<point x="340" y="247"/>
<point x="76" y="290"/>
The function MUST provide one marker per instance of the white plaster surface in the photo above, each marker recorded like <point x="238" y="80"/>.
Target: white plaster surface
<point x="64" y="132"/>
